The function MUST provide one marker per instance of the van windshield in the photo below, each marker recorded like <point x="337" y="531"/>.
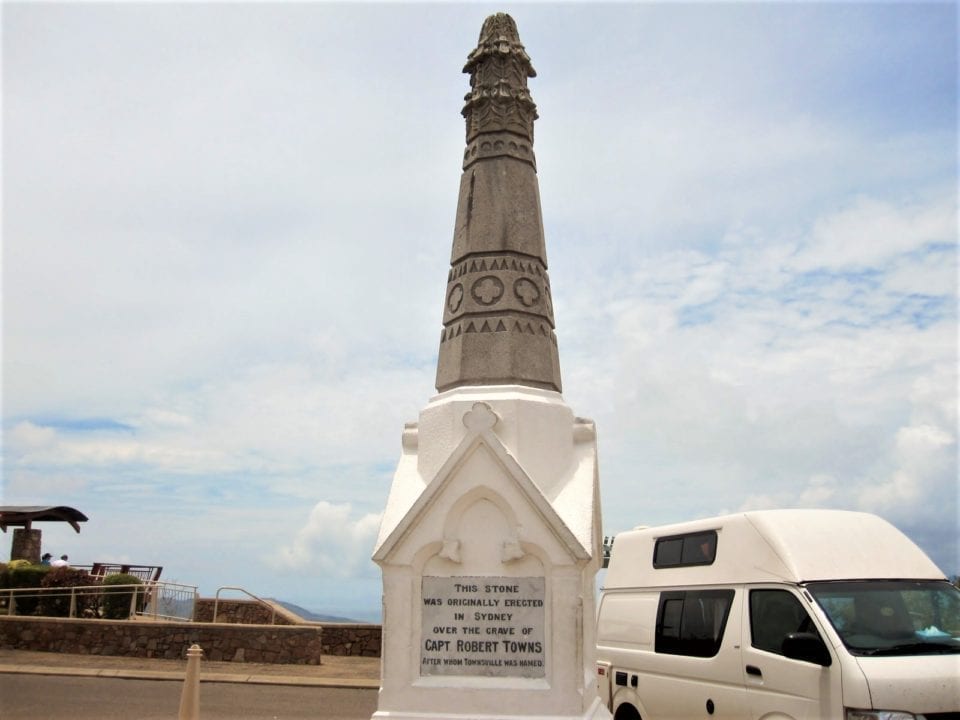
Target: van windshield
<point x="892" y="617"/>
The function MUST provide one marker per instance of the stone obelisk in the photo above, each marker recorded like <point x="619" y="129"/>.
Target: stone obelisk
<point x="498" y="319"/>
<point x="491" y="538"/>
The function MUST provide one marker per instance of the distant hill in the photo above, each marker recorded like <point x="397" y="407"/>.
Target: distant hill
<point x="308" y="615"/>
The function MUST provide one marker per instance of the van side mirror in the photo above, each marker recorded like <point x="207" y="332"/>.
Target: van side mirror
<point x="807" y="647"/>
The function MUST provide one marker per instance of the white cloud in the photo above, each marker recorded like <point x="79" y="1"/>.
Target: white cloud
<point x="41" y="487"/>
<point x="902" y="489"/>
<point x="869" y="232"/>
<point x="924" y="454"/>
<point x="61" y="450"/>
<point x="931" y="399"/>
<point x="761" y="502"/>
<point x="923" y="274"/>
<point x="29" y="435"/>
<point x="332" y="543"/>
<point x="819" y="491"/>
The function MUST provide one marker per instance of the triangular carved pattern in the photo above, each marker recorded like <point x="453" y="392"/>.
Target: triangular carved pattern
<point x="525" y="327"/>
<point x="504" y="263"/>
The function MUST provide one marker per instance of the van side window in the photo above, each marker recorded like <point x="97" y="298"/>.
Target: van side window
<point x="692" y="622"/>
<point x="680" y="550"/>
<point x="773" y="615"/>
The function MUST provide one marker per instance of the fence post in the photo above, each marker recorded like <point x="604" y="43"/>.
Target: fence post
<point x="73" y="602"/>
<point x="133" y="603"/>
<point x="190" y="698"/>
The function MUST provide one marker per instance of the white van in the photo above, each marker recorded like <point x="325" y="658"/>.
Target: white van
<point x="777" y="614"/>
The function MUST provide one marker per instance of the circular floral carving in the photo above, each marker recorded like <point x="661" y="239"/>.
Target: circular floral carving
<point x="455" y="298"/>
<point x="487" y="290"/>
<point x="526" y="292"/>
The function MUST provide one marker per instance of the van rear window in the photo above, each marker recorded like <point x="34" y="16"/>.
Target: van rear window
<point x="679" y="550"/>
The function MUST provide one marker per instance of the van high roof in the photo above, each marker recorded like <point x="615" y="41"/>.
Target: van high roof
<point x="775" y="546"/>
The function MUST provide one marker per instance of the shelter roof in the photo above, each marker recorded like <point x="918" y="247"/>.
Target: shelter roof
<point x="25" y="515"/>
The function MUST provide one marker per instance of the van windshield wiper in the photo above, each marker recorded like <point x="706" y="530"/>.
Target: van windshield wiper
<point x="916" y="648"/>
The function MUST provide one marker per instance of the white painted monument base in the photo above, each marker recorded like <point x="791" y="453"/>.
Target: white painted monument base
<point x="489" y="546"/>
<point x="596" y="712"/>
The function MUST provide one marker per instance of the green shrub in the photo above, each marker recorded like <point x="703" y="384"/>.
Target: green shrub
<point x="55" y="602"/>
<point x="116" y="600"/>
<point x="22" y="575"/>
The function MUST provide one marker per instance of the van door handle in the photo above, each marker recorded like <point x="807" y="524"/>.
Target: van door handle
<point x="754" y="670"/>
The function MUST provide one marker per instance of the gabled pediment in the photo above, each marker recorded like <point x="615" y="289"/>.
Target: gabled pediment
<point x="479" y="440"/>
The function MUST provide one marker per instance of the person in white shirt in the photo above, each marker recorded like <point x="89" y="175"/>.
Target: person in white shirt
<point x="62" y="562"/>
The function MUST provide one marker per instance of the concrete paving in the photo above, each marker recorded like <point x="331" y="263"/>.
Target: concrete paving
<point x="334" y="671"/>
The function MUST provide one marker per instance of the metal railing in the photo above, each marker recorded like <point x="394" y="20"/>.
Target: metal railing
<point x="100" y="570"/>
<point x="157" y="601"/>
<point x="216" y="602"/>
<point x="170" y="601"/>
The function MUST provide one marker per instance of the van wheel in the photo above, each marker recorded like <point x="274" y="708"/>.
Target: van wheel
<point x="626" y="712"/>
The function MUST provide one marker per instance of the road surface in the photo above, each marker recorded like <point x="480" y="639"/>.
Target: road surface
<point x="48" y="697"/>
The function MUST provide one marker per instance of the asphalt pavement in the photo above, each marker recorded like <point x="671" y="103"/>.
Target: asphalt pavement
<point x="333" y="671"/>
<point x="46" y="697"/>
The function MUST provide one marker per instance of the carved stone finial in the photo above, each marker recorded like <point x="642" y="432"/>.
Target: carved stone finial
<point x="499" y="67"/>
<point x="498" y="326"/>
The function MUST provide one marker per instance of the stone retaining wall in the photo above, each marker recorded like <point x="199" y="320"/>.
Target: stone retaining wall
<point x="298" y="644"/>
<point x="359" y="639"/>
<point x="350" y="639"/>
<point x="246" y="612"/>
<point x="284" y="644"/>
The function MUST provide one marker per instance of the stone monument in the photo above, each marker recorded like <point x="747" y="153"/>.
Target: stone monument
<point x="491" y="538"/>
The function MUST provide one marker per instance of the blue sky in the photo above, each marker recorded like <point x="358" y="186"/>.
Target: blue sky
<point x="226" y="230"/>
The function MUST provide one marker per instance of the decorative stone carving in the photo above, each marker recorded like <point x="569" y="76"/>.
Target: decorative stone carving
<point x="511" y="551"/>
<point x="526" y="292"/>
<point x="487" y="290"/>
<point x="455" y="298"/>
<point x="450" y="551"/>
<point x="505" y="144"/>
<point x="480" y="418"/>
<point x="499" y="68"/>
<point x="498" y="323"/>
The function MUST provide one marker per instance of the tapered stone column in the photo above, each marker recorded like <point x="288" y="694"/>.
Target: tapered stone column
<point x="491" y="539"/>
<point x="498" y="317"/>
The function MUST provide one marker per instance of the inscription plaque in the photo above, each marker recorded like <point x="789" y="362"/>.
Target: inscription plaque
<point x="489" y="626"/>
